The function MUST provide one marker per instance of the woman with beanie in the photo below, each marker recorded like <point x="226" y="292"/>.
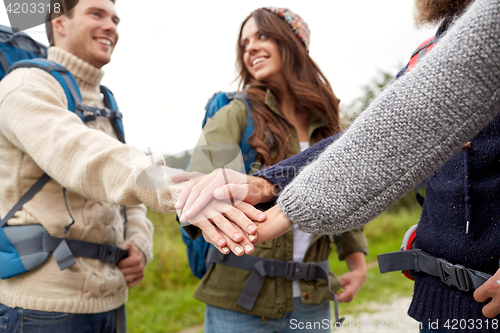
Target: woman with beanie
<point x="292" y="106"/>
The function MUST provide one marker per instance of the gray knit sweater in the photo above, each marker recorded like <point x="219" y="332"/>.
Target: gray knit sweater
<point x="410" y="130"/>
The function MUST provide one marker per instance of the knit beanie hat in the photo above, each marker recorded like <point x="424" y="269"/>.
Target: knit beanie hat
<point x="298" y="25"/>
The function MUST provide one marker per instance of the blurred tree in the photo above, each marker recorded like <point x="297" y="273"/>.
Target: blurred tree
<point x="370" y="91"/>
<point x="353" y="110"/>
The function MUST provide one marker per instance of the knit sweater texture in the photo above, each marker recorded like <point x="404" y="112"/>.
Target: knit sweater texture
<point x="38" y="134"/>
<point x="410" y="130"/>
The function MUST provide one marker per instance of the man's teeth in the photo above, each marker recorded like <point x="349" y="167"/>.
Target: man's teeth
<point x="256" y="61"/>
<point x="104" y="41"/>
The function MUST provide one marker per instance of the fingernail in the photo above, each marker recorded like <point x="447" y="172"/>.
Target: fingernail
<point x="183" y="218"/>
<point x="252" y="228"/>
<point x="261" y="216"/>
<point x="238" y="250"/>
<point x="218" y="193"/>
<point x="221" y="241"/>
<point x="248" y="248"/>
<point x="225" y="249"/>
<point x="251" y="238"/>
<point x="237" y="235"/>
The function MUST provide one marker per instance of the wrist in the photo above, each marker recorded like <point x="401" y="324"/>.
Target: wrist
<point x="267" y="190"/>
<point x="276" y="215"/>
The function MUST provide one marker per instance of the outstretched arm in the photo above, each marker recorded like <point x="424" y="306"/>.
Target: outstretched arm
<point x="410" y="130"/>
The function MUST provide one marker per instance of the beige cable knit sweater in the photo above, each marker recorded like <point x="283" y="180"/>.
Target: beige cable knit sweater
<point x="38" y="134"/>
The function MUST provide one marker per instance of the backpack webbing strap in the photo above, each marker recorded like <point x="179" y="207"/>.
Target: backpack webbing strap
<point x="4" y="62"/>
<point x="458" y="276"/>
<point x="249" y="153"/>
<point x="262" y="267"/>
<point x="64" y="250"/>
<point x="420" y="52"/>
<point x="106" y="253"/>
<point x="418" y="196"/>
<point x="26" y="197"/>
<point x="115" y="116"/>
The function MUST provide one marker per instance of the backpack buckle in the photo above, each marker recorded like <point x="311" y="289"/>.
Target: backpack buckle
<point x="296" y="270"/>
<point x="107" y="253"/>
<point x="454" y="275"/>
<point x="114" y="114"/>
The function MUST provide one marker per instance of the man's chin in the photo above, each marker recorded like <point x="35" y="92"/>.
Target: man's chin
<point x="101" y="60"/>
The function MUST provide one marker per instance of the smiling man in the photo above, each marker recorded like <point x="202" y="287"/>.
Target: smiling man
<point x="39" y="135"/>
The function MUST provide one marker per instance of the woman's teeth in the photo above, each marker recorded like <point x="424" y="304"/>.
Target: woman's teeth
<point x="258" y="60"/>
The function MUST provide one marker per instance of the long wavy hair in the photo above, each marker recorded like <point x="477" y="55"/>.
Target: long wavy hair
<point x="310" y="90"/>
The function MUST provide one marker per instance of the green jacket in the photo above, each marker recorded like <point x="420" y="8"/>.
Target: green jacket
<point x="222" y="285"/>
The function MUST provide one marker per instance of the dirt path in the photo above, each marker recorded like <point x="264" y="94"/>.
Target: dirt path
<point x="385" y="318"/>
<point x="194" y="329"/>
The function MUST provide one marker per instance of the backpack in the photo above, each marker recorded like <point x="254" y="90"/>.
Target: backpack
<point x="24" y="248"/>
<point x="197" y="249"/>
<point x="18" y="46"/>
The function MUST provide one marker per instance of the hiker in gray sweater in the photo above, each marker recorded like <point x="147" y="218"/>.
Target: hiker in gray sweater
<point x="417" y="124"/>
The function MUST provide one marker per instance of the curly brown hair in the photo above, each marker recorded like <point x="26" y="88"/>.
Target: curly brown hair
<point x="434" y="11"/>
<point x="310" y="90"/>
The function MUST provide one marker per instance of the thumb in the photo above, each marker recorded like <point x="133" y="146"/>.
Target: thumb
<point x="126" y="245"/>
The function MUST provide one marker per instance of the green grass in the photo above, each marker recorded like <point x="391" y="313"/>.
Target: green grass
<point x="162" y="302"/>
<point x="384" y="235"/>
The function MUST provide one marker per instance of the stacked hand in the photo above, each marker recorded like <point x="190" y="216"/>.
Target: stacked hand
<point x="221" y="205"/>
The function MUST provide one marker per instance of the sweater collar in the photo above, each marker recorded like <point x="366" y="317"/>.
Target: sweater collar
<point x="81" y="70"/>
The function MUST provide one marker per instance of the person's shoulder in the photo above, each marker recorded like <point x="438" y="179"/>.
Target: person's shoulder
<point x="236" y="109"/>
<point x="24" y="80"/>
<point x="236" y="106"/>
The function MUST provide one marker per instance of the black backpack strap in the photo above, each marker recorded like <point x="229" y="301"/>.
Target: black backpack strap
<point x="68" y="248"/>
<point x="418" y="196"/>
<point x="33" y="244"/>
<point x="26" y="197"/>
<point x="458" y="276"/>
